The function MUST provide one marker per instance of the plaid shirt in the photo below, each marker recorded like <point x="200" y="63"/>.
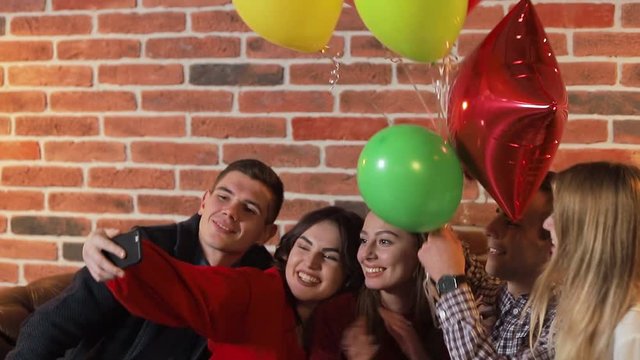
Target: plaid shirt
<point x="464" y="334"/>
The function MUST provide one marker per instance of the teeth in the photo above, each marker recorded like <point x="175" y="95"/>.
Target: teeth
<point x="223" y="227"/>
<point x="308" y="278"/>
<point x="494" y="251"/>
<point x="373" y="270"/>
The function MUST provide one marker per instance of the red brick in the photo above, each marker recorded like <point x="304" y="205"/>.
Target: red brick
<point x="223" y="21"/>
<point x="197" y="179"/>
<point x="320" y="183"/>
<point x="184" y="3"/>
<point x="22" y="101"/>
<point x="576" y="15"/>
<point x="141" y="74"/>
<point x="626" y="131"/>
<point x="1" y="69"/>
<point x="50" y="225"/>
<point x="127" y="224"/>
<point x="260" y="48"/>
<point x="90" y="203"/>
<point x="469" y="42"/>
<point x="56" y="75"/>
<point x="606" y="44"/>
<point x="342" y="156"/>
<point x="589" y="73"/>
<point x="38" y="271"/>
<point x="484" y="17"/>
<point x="630" y="75"/>
<point x="585" y="132"/>
<point x="141" y="126"/>
<point x="367" y="46"/>
<point x="131" y="178"/>
<point x="25" y="50"/>
<point x="285" y="101"/>
<point x="19" y="150"/>
<point x="156" y="204"/>
<point x="8" y="272"/>
<point x="21" y="200"/>
<point x="193" y="47"/>
<point x="94" y="49"/>
<point x="173" y="153"/>
<point x="41" y="176"/>
<point x="57" y="125"/>
<point x="350" y="20"/>
<point x="187" y="100"/>
<point x="418" y="74"/>
<point x="28" y="249"/>
<point x="51" y="25"/>
<point x="474" y="214"/>
<point x="136" y="23"/>
<point x="274" y="155"/>
<point x="84" y="151"/>
<point x="387" y="102"/>
<point x="92" y="4"/>
<point x="94" y="101"/>
<point x="336" y="128"/>
<point x="237" y="127"/>
<point x="3" y="224"/>
<point x="567" y="157"/>
<point x="604" y="102"/>
<point x="631" y="15"/>
<point x="293" y="209"/>
<point x="22" y="5"/>
<point x="358" y="73"/>
<point x="5" y="126"/>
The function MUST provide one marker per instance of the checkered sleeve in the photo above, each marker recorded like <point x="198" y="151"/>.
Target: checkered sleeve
<point x="465" y="336"/>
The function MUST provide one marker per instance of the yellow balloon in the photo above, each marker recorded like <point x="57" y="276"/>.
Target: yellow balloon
<point x="421" y="30"/>
<point x="303" y="25"/>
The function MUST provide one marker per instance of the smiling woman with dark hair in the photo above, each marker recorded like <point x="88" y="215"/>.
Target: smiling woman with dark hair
<point x="247" y="313"/>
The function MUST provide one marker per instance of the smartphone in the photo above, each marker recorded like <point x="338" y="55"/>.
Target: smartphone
<point x="130" y="242"/>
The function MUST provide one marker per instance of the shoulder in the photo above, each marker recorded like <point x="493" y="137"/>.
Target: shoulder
<point x="627" y="336"/>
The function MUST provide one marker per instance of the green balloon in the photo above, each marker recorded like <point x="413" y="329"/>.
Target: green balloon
<point x="410" y="177"/>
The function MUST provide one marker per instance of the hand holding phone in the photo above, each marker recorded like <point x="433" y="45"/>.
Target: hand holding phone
<point x="130" y="242"/>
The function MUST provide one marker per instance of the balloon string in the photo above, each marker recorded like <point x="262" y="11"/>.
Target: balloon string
<point x="334" y="75"/>
<point x="442" y="86"/>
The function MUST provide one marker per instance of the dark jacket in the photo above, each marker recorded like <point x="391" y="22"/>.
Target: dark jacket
<point x="86" y="321"/>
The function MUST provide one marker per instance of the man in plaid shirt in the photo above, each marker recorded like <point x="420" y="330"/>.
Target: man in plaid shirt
<point x="517" y="254"/>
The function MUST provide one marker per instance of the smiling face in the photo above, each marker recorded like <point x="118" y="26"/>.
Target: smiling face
<point x="388" y="255"/>
<point x="234" y="215"/>
<point x="518" y="250"/>
<point x="314" y="271"/>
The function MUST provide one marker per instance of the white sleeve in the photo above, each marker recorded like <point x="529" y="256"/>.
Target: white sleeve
<point x="626" y="343"/>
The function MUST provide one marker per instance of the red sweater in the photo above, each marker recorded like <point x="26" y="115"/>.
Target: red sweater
<point x="243" y="312"/>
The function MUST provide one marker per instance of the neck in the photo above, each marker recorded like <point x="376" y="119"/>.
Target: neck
<point x="216" y="257"/>
<point x="304" y="310"/>
<point x="399" y="300"/>
<point x="519" y="288"/>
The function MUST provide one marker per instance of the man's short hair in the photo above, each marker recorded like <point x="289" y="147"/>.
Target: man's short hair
<point x="259" y="171"/>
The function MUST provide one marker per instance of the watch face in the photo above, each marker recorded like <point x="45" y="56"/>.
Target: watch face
<point x="449" y="282"/>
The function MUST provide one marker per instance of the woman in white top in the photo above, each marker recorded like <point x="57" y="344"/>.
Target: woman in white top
<point x="594" y="273"/>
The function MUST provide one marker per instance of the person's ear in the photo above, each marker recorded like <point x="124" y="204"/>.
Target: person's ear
<point x="270" y="231"/>
<point x="205" y="196"/>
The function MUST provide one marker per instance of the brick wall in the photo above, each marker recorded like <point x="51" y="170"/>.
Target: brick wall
<point x="121" y="112"/>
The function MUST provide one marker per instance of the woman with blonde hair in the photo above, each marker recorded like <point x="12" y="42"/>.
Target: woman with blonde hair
<point x="594" y="273"/>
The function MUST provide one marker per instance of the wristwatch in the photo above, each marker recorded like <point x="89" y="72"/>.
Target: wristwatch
<point x="449" y="283"/>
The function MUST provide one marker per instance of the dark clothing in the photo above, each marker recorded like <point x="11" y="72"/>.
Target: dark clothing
<point x="87" y="322"/>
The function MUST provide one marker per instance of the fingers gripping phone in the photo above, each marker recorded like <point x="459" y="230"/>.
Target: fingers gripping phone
<point x="130" y="242"/>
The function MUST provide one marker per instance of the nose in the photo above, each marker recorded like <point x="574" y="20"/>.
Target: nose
<point x="493" y="229"/>
<point x="314" y="260"/>
<point x="548" y="223"/>
<point x="232" y="210"/>
<point x="370" y="250"/>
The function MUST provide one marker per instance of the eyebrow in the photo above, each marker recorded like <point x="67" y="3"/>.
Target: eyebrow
<point x="304" y="238"/>
<point x="381" y="232"/>
<point x="246" y="201"/>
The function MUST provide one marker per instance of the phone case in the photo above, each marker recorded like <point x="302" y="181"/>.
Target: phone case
<point x="130" y="242"/>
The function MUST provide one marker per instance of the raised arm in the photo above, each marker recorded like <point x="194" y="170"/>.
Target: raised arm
<point x="210" y="300"/>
